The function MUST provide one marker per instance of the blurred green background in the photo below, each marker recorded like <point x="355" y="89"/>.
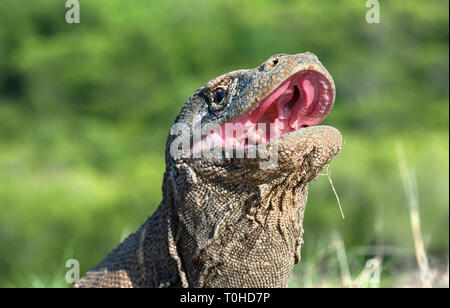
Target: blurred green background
<point x="85" y="110"/>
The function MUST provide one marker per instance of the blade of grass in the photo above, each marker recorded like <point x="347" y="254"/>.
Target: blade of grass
<point x="339" y="245"/>
<point x="410" y="187"/>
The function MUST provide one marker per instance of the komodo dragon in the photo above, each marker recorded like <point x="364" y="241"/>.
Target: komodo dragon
<point x="229" y="221"/>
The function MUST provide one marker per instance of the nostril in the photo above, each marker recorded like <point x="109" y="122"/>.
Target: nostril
<point x="273" y="63"/>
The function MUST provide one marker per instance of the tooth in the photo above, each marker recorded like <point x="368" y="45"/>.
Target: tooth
<point x="262" y="140"/>
<point x="248" y="123"/>
<point x="294" y="124"/>
<point x="279" y="125"/>
<point x="286" y="126"/>
<point x="254" y="138"/>
<point x="323" y="106"/>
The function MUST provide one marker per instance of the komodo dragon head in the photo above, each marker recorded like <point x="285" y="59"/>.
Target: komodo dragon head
<point x="239" y="158"/>
<point x="238" y="161"/>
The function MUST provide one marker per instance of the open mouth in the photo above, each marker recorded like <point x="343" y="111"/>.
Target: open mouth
<point x="303" y="100"/>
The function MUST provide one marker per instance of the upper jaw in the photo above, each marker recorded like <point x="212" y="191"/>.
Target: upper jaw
<point x="261" y="82"/>
<point x="302" y="100"/>
<point x="298" y="92"/>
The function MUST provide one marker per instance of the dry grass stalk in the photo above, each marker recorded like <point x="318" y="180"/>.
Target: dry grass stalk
<point x="411" y="192"/>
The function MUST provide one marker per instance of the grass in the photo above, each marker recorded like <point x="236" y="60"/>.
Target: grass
<point x="330" y="267"/>
<point x="411" y="192"/>
<point x="77" y="195"/>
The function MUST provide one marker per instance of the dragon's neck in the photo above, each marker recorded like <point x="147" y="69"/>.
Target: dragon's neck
<point x="236" y="235"/>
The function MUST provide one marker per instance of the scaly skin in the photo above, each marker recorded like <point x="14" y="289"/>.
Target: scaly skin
<point x="226" y="222"/>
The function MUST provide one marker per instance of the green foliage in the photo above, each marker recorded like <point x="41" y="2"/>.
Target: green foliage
<point x="85" y="110"/>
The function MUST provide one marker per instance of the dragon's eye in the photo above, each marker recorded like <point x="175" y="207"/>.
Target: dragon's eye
<point x="219" y="95"/>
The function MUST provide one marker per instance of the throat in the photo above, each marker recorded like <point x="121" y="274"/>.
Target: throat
<point x="241" y="234"/>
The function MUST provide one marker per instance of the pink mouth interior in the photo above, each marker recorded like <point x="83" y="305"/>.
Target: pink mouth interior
<point x="303" y="100"/>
